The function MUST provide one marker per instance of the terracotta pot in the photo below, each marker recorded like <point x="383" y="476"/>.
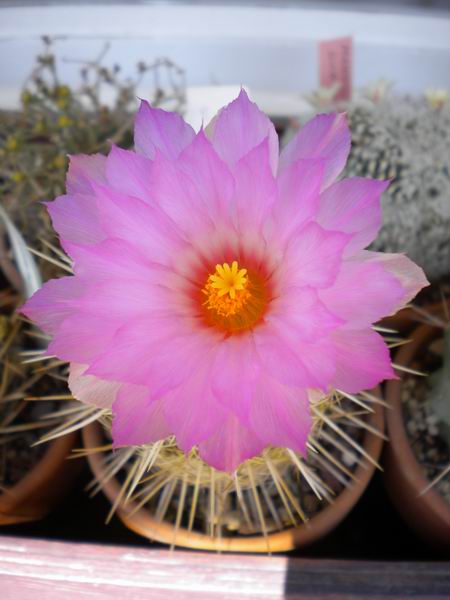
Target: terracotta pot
<point x="407" y="319"/>
<point x="34" y="496"/>
<point x="143" y="523"/>
<point x="427" y="514"/>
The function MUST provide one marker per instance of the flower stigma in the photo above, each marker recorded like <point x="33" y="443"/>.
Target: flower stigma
<point x="226" y="289"/>
<point x="234" y="300"/>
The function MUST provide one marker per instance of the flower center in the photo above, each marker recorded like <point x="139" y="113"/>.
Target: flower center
<point x="235" y="300"/>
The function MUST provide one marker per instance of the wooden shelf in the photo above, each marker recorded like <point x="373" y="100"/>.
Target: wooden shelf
<point x="32" y="569"/>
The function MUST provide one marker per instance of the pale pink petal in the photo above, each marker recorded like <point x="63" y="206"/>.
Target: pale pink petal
<point x="137" y="418"/>
<point x="313" y="257"/>
<point x="281" y="415"/>
<point x="146" y="228"/>
<point x="117" y="277"/>
<point x="213" y="184"/>
<point x="291" y="361"/>
<point x="75" y="218"/>
<point x="411" y="277"/>
<point x="179" y="196"/>
<point x="363" y="293"/>
<point x="256" y="189"/>
<point x="362" y="360"/>
<point x="240" y="127"/>
<point x="280" y="360"/>
<point x="353" y="206"/>
<point x="320" y="360"/>
<point x="54" y="302"/>
<point x="298" y="197"/>
<point x="191" y="411"/>
<point x="326" y="136"/>
<point x="81" y="338"/>
<point x="156" y="129"/>
<point x="160" y="352"/>
<point x="83" y="169"/>
<point x="301" y="310"/>
<point x="234" y="374"/>
<point x="230" y="445"/>
<point x="133" y="298"/>
<point x="129" y="172"/>
<point x="113" y="258"/>
<point x="91" y="390"/>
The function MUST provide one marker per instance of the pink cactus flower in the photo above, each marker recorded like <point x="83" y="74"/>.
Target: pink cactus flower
<point x="217" y="285"/>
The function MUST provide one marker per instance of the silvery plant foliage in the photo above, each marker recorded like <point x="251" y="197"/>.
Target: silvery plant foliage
<point x="407" y="140"/>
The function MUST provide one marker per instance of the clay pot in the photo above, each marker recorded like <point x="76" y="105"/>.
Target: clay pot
<point x="428" y="514"/>
<point x="407" y="319"/>
<point x="143" y="523"/>
<point x="34" y="496"/>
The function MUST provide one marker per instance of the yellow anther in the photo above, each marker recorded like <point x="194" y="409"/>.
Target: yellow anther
<point x="226" y="289"/>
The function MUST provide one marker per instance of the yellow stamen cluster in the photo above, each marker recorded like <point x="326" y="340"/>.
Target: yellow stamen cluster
<point x="226" y="289"/>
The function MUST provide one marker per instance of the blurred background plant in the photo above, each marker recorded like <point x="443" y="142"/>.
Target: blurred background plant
<point x="405" y="139"/>
<point x="20" y="421"/>
<point x="56" y="120"/>
<point x="408" y="140"/>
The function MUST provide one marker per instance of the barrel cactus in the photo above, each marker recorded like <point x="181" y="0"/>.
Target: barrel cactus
<point x="407" y="140"/>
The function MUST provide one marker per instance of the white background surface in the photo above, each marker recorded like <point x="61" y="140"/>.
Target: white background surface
<point x="271" y="50"/>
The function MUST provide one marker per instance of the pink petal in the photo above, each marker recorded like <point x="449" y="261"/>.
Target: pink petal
<point x="363" y="293"/>
<point x="119" y="280"/>
<point x="291" y="361"/>
<point x="160" y="352"/>
<point x="133" y="298"/>
<point x="137" y="419"/>
<point x="326" y="136"/>
<point x="240" y="127"/>
<point x="362" y="360"/>
<point x="91" y="390"/>
<point x="281" y="415"/>
<point x="411" y="277"/>
<point x="230" y="445"/>
<point x="83" y="169"/>
<point x="54" y="302"/>
<point x="75" y="218"/>
<point x="114" y="259"/>
<point x="191" y="411"/>
<point x="313" y="257"/>
<point x="128" y="172"/>
<point x="301" y="310"/>
<point x="319" y="359"/>
<point x="146" y="228"/>
<point x="179" y="196"/>
<point x="256" y="190"/>
<point x="156" y="129"/>
<point x="81" y="338"/>
<point x="213" y="184"/>
<point x="108" y="259"/>
<point x="298" y="192"/>
<point x="234" y="374"/>
<point x="353" y="206"/>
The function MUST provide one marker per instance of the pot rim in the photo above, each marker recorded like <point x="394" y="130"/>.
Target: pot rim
<point x="21" y="501"/>
<point x="399" y="441"/>
<point x="319" y="525"/>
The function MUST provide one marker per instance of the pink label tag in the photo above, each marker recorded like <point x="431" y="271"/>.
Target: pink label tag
<point x="335" y="66"/>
